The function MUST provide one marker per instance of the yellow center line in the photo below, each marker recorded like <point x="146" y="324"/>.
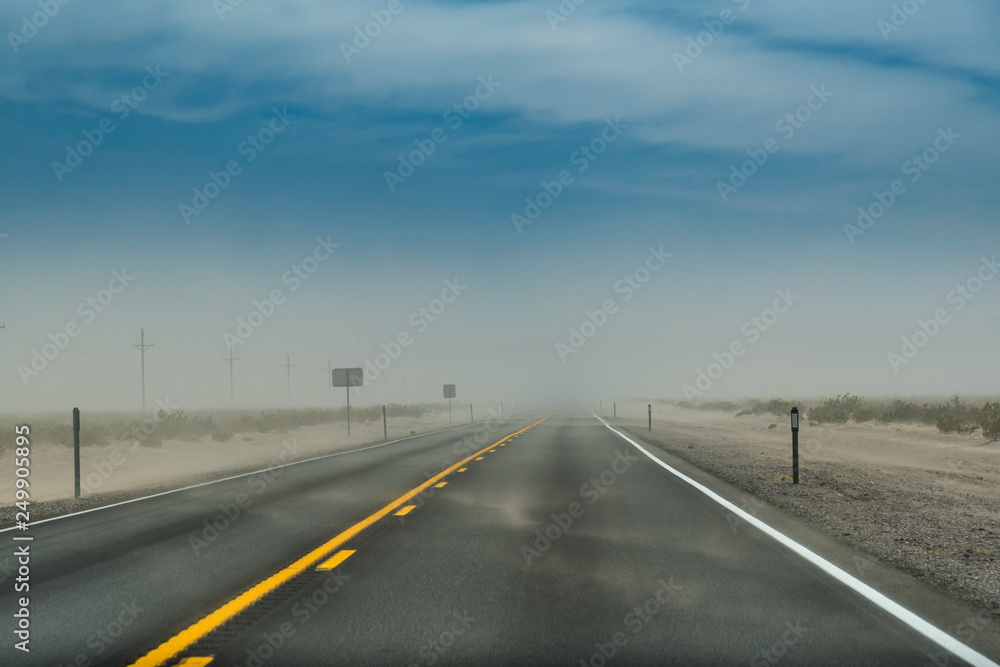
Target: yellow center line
<point x="200" y="629"/>
<point x="462" y="469"/>
<point x="336" y="560"/>
<point x="195" y="662"/>
<point x="406" y="510"/>
<point x="440" y="484"/>
<point x="480" y="458"/>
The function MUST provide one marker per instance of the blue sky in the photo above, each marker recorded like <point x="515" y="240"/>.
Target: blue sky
<point x="198" y="81"/>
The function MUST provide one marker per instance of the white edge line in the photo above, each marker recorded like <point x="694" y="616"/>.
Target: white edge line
<point x="923" y="627"/>
<point x="226" y="479"/>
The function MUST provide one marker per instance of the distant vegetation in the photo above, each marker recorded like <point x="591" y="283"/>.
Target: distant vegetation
<point x="103" y="428"/>
<point x="954" y="416"/>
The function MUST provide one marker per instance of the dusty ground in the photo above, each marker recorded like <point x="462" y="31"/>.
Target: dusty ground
<point x="128" y="469"/>
<point x="926" y="501"/>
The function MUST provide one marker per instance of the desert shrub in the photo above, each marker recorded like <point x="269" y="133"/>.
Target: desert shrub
<point x="838" y="410"/>
<point x="222" y="436"/>
<point x="989" y="419"/>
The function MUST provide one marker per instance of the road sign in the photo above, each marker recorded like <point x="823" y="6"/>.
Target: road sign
<point x="449" y="393"/>
<point x="348" y="377"/>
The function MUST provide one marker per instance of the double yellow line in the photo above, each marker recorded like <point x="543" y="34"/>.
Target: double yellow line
<point x="197" y="631"/>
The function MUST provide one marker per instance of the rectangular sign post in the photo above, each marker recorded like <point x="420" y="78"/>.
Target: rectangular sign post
<point x="449" y="393"/>
<point x="76" y="451"/>
<point x="348" y="377"/>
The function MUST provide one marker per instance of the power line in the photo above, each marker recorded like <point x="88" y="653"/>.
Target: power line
<point x="142" y="349"/>
<point x="288" y="367"/>
<point x="232" y="360"/>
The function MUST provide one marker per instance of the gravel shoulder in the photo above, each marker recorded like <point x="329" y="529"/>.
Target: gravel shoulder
<point x="924" y="501"/>
<point x="124" y="471"/>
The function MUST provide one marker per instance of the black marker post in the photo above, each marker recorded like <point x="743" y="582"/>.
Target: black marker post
<point x="76" y="451"/>
<point x="795" y="445"/>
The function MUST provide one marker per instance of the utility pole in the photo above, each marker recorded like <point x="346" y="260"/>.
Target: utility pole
<point x="329" y="374"/>
<point x="232" y="360"/>
<point x="288" y="367"/>
<point x="142" y="349"/>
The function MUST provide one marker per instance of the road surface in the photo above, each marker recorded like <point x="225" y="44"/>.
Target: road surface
<point x="554" y="542"/>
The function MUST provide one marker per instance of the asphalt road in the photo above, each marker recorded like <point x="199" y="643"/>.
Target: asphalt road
<point x="565" y="545"/>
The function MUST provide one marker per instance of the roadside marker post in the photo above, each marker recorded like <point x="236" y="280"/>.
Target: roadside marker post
<point x="385" y="426"/>
<point x="76" y="451"/>
<point x="795" y="445"/>
<point x="650" y="417"/>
